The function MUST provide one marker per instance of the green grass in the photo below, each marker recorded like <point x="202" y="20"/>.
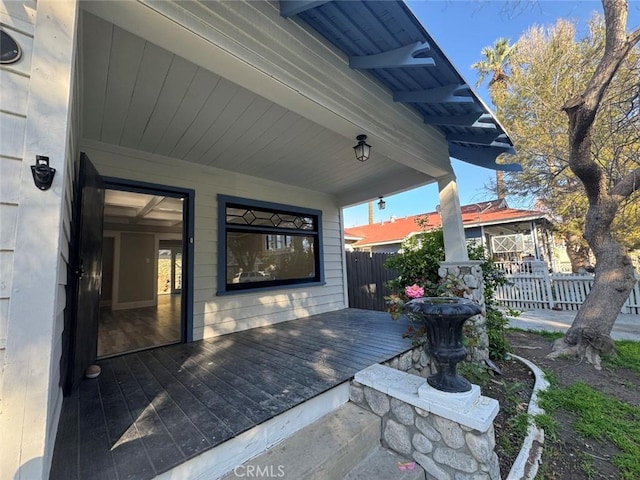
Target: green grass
<point x="477" y="374"/>
<point x="586" y="463"/>
<point x="627" y="355"/>
<point x="549" y="424"/>
<point x="515" y="431"/>
<point x="600" y="416"/>
<point x="517" y="424"/>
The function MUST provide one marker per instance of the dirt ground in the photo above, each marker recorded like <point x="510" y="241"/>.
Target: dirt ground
<point x="562" y="458"/>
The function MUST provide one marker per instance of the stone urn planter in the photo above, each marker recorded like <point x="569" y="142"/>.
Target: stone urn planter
<point x="443" y="318"/>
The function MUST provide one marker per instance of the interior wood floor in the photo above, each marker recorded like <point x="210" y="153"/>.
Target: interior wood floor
<point x="121" y="331"/>
<point x="150" y="411"/>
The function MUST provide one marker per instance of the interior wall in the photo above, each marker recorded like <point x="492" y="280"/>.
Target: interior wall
<point x="136" y="278"/>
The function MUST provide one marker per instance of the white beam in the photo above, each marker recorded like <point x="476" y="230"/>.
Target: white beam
<point x="455" y="246"/>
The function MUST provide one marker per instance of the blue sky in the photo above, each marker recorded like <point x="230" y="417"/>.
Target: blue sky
<point x="462" y="29"/>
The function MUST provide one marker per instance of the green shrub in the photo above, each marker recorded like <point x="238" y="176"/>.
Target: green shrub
<point x="418" y="263"/>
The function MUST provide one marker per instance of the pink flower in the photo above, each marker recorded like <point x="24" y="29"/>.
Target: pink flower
<point x="414" y="291"/>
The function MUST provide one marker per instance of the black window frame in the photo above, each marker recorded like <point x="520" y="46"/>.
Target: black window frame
<point x="224" y="227"/>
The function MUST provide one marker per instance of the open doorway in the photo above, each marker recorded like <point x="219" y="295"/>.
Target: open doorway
<point x="141" y="301"/>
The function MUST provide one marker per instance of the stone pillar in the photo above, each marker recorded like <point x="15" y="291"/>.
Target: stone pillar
<point x="469" y="275"/>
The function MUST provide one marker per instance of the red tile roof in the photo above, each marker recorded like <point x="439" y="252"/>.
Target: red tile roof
<point x="396" y="230"/>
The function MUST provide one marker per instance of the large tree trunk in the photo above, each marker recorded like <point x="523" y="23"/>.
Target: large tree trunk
<point x="577" y="252"/>
<point x="590" y="332"/>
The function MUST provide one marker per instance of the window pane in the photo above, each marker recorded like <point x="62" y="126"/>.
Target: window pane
<point x="265" y="218"/>
<point x="258" y="258"/>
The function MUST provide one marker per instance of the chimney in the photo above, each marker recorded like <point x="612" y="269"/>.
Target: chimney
<point x="500" y="189"/>
<point x="370" y="212"/>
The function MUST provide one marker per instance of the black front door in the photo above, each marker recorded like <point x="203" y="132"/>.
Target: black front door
<point x="80" y="339"/>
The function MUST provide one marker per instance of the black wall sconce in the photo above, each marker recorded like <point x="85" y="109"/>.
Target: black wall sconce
<point x="362" y="149"/>
<point x="42" y="173"/>
<point x="381" y="204"/>
<point x="10" y="51"/>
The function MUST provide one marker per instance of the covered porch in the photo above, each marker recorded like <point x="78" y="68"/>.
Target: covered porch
<point x="202" y="103"/>
<point x="151" y="411"/>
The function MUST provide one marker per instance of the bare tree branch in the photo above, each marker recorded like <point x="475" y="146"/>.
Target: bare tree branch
<point x="628" y="185"/>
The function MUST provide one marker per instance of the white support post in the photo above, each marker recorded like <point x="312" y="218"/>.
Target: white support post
<point x="345" y="286"/>
<point x="536" y="241"/>
<point x="455" y="246"/>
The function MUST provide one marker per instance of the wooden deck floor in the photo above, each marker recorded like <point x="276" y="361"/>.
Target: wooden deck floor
<point x="150" y="411"/>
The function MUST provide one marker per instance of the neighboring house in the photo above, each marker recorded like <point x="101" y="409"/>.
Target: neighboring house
<point x="220" y="132"/>
<point x="508" y="234"/>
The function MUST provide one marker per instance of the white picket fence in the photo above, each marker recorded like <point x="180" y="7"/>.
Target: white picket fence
<point x="530" y="285"/>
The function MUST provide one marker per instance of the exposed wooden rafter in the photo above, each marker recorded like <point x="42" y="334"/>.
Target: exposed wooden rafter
<point x="446" y="94"/>
<point x="374" y="35"/>
<point x="402" y="57"/>
<point x="465" y="120"/>
<point x="151" y="204"/>
<point x="483" y="156"/>
<point x="481" y="139"/>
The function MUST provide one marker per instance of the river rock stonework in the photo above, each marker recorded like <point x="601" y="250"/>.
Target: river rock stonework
<point x="415" y="361"/>
<point x="470" y="275"/>
<point x="444" y="447"/>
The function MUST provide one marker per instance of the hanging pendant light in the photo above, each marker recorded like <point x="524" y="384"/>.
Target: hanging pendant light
<point x="362" y="149"/>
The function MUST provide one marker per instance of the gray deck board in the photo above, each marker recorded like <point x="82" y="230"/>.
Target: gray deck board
<point x="152" y="410"/>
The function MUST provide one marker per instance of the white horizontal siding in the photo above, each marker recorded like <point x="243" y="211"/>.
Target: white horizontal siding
<point x="231" y="324"/>
<point x="20" y="15"/>
<point x="215" y="315"/>
<point x="6" y="273"/>
<point x="17" y="20"/>
<point x="12" y="135"/>
<point x="9" y="179"/>
<point x="34" y="104"/>
<point x="8" y="217"/>
<point x="15" y="91"/>
<point x="4" y="315"/>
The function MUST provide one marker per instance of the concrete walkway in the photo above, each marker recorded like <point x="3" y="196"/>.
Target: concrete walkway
<point x="627" y="326"/>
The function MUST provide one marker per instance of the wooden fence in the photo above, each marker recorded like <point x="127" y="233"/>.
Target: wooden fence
<point x="367" y="278"/>
<point x="530" y="285"/>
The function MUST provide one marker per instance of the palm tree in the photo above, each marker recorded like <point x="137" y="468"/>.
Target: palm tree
<point x="496" y="63"/>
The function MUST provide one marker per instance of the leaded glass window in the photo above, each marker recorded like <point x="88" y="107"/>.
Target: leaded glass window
<point x="268" y="245"/>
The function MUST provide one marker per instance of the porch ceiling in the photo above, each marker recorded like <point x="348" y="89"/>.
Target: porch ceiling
<point x="385" y="39"/>
<point x="138" y="95"/>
